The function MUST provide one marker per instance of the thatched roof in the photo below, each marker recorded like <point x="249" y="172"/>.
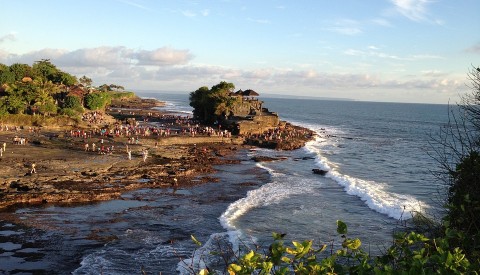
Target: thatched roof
<point x="77" y="91"/>
<point x="250" y="93"/>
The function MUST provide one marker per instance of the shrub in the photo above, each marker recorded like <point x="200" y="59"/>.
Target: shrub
<point x="411" y="253"/>
<point x="72" y="102"/>
<point x="69" y="112"/>
<point x="96" y="101"/>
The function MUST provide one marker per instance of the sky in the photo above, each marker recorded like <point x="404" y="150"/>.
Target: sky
<point x="369" y="50"/>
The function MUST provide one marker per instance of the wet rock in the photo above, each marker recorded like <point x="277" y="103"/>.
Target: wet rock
<point x="264" y="158"/>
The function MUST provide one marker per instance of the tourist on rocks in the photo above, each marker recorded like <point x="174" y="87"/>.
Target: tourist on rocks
<point x="33" y="171"/>
<point x="129" y="154"/>
<point x="145" y="154"/>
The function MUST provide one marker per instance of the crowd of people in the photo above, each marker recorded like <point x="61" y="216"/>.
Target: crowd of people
<point x="94" y="117"/>
<point x="171" y="125"/>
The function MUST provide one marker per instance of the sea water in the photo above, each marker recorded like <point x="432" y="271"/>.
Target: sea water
<point x="379" y="173"/>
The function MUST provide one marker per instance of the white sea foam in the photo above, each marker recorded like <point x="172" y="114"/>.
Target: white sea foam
<point x="176" y="107"/>
<point x="374" y="194"/>
<point x="202" y="257"/>
<point x="93" y="263"/>
<point x="281" y="187"/>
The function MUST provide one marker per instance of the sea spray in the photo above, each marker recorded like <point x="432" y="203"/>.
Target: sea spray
<point x="374" y="194"/>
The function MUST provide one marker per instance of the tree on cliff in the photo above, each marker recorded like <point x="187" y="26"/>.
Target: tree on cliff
<point x="45" y="71"/>
<point x="97" y="100"/>
<point x="211" y="105"/>
<point x="85" y="81"/>
<point x="459" y="157"/>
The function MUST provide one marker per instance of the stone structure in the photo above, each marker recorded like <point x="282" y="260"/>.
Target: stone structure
<point x="249" y="117"/>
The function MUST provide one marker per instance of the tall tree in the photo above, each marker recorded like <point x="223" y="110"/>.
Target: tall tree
<point x="45" y="70"/>
<point x="459" y="157"/>
<point x="211" y="105"/>
<point x="20" y="71"/>
<point x="201" y="103"/>
<point x="6" y="75"/>
<point x="85" y="81"/>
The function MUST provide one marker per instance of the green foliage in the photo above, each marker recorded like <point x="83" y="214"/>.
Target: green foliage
<point x="210" y="105"/>
<point x="17" y="99"/>
<point x="46" y="89"/>
<point x="464" y="195"/>
<point x="463" y="212"/>
<point x="119" y="95"/>
<point x="45" y="71"/>
<point x="85" y="81"/>
<point x="3" y="107"/>
<point x="48" y="108"/>
<point x="72" y="102"/>
<point x="65" y="78"/>
<point x="69" y="112"/>
<point x="21" y="70"/>
<point x="111" y="87"/>
<point x="201" y="104"/>
<point x="411" y="253"/>
<point x="97" y="101"/>
<point x="6" y="75"/>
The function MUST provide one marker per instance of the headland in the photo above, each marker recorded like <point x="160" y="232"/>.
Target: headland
<point x="132" y="145"/>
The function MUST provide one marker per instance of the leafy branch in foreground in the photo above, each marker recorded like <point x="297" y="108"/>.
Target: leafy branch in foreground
<point x="410" y="253"/>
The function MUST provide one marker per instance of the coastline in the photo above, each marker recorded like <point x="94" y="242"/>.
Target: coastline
<point x="66" y="172"/>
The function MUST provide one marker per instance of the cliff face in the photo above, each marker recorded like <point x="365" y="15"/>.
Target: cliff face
<point x="258" y="124"/>
<point x="249" y="117"/>
<point x="246" y="107"/>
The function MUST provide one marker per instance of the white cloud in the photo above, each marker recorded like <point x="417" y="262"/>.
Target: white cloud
<point x="136" y="4"/>
<point x="415" y="10"/>
<point x="346" y="27"/>
<point x="170" y="69"/>
<point x="8" y="37"/>
<point x="373" y="51"/>
<point x="382" y="22"/>
<point x="189" y="13"/>
<point x="162" y="56"/>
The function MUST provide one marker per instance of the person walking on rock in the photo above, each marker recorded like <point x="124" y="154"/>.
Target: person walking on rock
<point x="33" y="171"/>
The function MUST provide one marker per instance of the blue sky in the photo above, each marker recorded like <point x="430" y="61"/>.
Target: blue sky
<point x="390" y="50"/>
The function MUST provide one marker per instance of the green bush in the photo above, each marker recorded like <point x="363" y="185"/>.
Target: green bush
<point x="72" y="102"/>
<point x="69" y="112"/>
<point x="411" y="253"/>
<point x="97" y="101"/>
<point x="120" y="95"/>
<point x="463" y="211"/>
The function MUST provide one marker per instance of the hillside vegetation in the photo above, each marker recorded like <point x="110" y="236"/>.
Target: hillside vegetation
<point x="42" y="94"/>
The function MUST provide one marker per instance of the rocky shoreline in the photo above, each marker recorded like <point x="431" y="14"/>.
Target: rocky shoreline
<point x="67" y="173"/>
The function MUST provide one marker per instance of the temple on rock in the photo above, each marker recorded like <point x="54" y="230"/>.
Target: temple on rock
<point x="249" y="116"/>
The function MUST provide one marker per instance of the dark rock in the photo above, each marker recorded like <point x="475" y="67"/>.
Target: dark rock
<point x="264" y="158"/>
<point x="319" y="171"/>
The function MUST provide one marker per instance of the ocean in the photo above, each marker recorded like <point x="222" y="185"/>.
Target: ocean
<point x="380" y="172"/>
